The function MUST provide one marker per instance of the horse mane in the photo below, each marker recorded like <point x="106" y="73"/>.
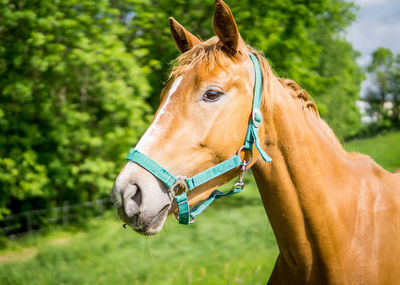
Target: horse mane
<point x="309" y="107"/>
<point x="211" y="53"/>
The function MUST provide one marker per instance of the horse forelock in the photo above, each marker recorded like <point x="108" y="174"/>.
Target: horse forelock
<point x="208" y="53"/>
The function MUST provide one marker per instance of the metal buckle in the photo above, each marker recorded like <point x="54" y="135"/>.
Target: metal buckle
<point x="256" y="117"/>
<point x="180" y="184"/>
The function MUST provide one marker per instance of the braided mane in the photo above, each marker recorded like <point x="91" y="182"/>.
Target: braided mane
<point x="298" y="93"/>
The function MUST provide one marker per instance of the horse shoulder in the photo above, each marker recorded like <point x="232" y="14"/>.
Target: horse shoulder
<point x="375" y="238"/>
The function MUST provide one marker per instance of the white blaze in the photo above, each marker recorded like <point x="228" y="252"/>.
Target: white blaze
<point x="175" y="86"/>
<point x="150" y="135"/>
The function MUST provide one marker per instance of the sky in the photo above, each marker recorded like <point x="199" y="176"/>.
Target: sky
<point x="377" y="24"/>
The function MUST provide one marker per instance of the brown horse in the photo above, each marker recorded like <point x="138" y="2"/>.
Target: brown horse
<point x="335" y="215"/>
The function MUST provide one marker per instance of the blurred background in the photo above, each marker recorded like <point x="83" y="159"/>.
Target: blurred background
<point x="79" y="84"/>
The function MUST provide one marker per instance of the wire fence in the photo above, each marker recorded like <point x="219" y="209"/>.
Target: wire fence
<point x="22" y="223"/>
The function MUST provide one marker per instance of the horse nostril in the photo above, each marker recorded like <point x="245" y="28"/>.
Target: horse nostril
<point x="137" y="197"/>
<point x="132" y="197"/>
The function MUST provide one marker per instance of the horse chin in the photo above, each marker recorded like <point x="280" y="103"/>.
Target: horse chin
<point x="149" y="231"/>
<point x="151" y="228"/>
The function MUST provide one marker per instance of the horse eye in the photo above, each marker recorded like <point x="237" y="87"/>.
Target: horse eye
<point x="212" y="95"/>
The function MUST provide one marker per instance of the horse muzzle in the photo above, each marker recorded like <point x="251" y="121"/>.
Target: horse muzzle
<point x="142" y="202"/>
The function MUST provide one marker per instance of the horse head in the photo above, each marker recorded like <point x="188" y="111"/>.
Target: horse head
<point x="202" y="120"/>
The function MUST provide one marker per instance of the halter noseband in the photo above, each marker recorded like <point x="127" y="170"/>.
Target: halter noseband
<point x="181" y="184"/>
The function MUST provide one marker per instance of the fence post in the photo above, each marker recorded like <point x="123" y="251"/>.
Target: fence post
<point x="65" y="210"/>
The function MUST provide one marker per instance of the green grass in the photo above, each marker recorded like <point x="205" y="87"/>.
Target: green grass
<point x="231" y="243"/>
<point x="384" y="149"/>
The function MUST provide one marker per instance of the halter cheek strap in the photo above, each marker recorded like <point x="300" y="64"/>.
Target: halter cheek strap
<point x="180" y="185"/>
<point x="256" y="116"/>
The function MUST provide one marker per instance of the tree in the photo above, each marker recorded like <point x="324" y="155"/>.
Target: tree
<point x="71" y="100"/>
<point x="395" y="88"/>
<point x="341" y="76"/>
<point x="384" y="96"/>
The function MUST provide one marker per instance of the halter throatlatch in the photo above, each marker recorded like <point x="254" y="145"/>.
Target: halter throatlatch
<point x="180" y="185"/>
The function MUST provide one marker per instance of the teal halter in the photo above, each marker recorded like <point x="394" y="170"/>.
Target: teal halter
<point x="182" y="184"/>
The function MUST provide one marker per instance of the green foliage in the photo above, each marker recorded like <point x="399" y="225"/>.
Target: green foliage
<point x="341" y="76"/>
<point x="384" y="97"/>
<point x="72" y="100"/>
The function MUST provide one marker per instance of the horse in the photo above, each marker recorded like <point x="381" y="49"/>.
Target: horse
<point x="335" y="215"/>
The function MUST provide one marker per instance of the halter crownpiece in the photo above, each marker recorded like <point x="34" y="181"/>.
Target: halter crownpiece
<point x="180" y="185"/>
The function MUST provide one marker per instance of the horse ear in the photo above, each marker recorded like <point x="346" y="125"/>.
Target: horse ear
<point x="183" y="39"/>
<point x="225" y="27"/>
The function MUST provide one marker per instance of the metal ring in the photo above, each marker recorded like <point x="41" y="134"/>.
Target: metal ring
<point x="180" y="181"/>
<point x="244" y="162"/>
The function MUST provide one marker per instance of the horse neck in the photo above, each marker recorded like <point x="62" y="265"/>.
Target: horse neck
<point x="300" y="207"/>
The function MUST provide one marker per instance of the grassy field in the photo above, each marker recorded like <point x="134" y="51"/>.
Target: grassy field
<point x="384" y="149"/>
<point x="231" y="243"/>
